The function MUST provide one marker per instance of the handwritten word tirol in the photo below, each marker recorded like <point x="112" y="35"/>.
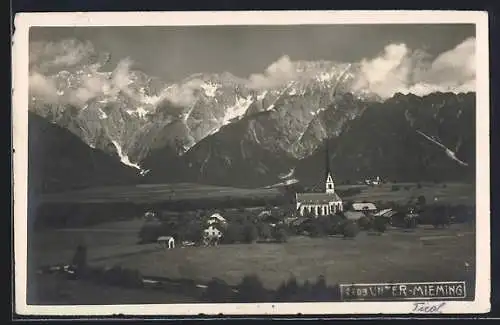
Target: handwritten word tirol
<point x="426" y="307"/>
<point x="404" y="291"/>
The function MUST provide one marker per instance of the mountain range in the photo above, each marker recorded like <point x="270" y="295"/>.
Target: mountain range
<point x="219" y="129"/>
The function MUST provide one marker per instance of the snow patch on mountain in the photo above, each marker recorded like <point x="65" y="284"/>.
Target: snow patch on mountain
<point x="124" y="158"/>
<point x="102" y="114"/>
<point x="238" y="109"/>
<point x="324" y="76"/>
<point x="209" y="89"/>
<point x="262" y="95"/>
<point x="314" y="113"/>
<point x="139" y="112"/>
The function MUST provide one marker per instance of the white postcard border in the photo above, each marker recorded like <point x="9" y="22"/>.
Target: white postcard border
<point x="24" y="21"/>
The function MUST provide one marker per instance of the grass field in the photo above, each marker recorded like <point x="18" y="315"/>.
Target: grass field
<point x="446" y="193"/>
<point x="149" y="193"/>
<point x="423" y="255"/>
<point x="450" y="193"/>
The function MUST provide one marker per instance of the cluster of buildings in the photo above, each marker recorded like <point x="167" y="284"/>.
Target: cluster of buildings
<point x="329" y="202"/>
<point x="308" y="205"/>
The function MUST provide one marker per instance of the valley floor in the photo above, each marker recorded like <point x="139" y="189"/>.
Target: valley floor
<point x="396" y="256"/>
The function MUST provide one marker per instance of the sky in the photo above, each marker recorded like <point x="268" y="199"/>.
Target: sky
<point x="173" y="53"/>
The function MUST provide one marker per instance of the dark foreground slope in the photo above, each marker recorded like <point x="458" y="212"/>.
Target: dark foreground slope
<point x="59" y="160"/>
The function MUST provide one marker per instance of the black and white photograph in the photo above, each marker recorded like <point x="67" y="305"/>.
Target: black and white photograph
<point x="251" y="163"/>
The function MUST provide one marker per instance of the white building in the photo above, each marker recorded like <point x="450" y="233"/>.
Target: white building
<point x="216" y="219"/>
<point x="364" y="206"/>
<point x="320" y="203"/>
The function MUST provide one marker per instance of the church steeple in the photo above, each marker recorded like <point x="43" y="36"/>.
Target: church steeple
<point x="327" y="160"/>
<point x="329" y="184"/>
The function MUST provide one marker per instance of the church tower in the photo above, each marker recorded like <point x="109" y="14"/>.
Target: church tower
<point x="329" y="184"/>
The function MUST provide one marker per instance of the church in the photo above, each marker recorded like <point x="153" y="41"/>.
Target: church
<point x="320" y="203"/>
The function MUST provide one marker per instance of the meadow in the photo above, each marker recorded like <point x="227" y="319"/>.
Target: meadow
<point x="422" y="255"/>
<point x="152" y="193"/>
<point x="426" y="254"/>
<point x="449" y="193"/>
<point x="401" y="193"/>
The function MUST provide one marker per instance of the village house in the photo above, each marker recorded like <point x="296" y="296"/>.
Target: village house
<point x="376" y="181"/>
<point x="269" y="218"/>
<point x="320" y="204"/>
<point x="216" y="219"/>
<point x="364" y="207"/>
<point x="211" y="236"/>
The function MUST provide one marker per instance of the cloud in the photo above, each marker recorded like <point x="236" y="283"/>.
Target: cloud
<point x="121" y="77"/>
<point x="69" y="72"/>
<point x="183" y="94"/>
<point x="50" y="82"/>
<point x="277" y="74"/>
<point x="45" y="56"/>
<point x="43" y="88"/>
<point x="400" y="69"/>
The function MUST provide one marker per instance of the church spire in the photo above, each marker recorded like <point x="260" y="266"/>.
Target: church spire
<point x="329" y="184"/>
<point x="327" y="160"/>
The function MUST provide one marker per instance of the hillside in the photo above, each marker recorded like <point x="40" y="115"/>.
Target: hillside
<point x="58" y="160"/>
<point x="384" y="142"/>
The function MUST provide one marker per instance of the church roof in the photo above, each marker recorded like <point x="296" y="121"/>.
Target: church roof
<point x="318" y="198"/>
<point x="363" y="206"/>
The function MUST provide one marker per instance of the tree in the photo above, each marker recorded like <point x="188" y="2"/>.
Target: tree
<point x="421" y="200"/>
<point x="288" y="291"/>
<point x="233" y="234"/>
<point x="193" y="231"/>
<point x="148" y="233"/>
<point x="440" y="220"/>
<point x="315" y="228"/>
<point x="281" y="235"/>
<point x="131" y="278"/>
<point x="410" y="221"/>
<point x="306" y="291"/>
<point x="250" y="233"/>
<point x="218" y="291"/>
<point x="264" y="231"/>
<point x="320" y="289"/>
<point x="336" y="223"/>
<point x="365" y="223"/>
<point x="380" y="224"/>
<point x="325" y="225"/>
<point x="251" y="290"/>
<point x="80" y="258"/>
<point x="350" y="230"/>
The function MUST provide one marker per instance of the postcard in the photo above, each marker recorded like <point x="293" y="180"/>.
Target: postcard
<point x="251" y="163"/>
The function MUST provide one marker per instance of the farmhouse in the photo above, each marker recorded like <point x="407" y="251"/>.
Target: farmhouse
<point x="211" y="236"/>
<point x="364" y="206"/>
<point x="320" y="203"/>
<point x="166" y="241"/>
<point x="216" y="219"/>
<point x="375" y="181"/>
<point x="386" y="213"/>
